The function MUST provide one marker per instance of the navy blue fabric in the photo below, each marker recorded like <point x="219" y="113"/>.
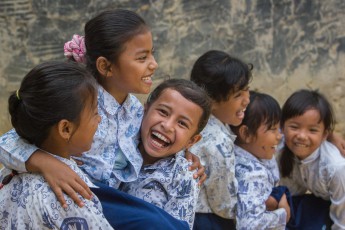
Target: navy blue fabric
<point x="311" y="213"/>
<point x="124" y="211"/>
<point x="278" y="192"/>
<point x="211" y="221"/>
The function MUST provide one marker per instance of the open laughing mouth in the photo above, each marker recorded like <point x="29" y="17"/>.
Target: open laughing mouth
<point x="159" y="140"/>
<point x="147" y="79"/>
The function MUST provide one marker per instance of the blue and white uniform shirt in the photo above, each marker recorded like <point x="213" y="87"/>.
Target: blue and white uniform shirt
<point x="28" y="202"/>
<point x="169" y="185"/>
<point x="215" y="150"/>
<point x="255" y="183"/>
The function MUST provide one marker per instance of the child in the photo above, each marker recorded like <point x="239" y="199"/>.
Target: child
<point x="257" y="139"/>
<point x="226" y="80"/>
<point x="309" y="162"/>
<point x="27" y="202"/>
<point x="119" y="53"/>
<point x="175" y="113"/>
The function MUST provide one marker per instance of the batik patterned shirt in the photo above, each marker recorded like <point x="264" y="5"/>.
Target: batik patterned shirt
<point x="169" y="185"/>
<point x="215" y="150"/>
<point x="28" y="202"/>
<point x="323" y="174"/>
<point x="255" y="183"/>
<point x="113" y="157"/>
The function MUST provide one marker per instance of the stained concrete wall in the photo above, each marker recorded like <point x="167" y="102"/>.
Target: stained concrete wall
<point x="292" y="44"/>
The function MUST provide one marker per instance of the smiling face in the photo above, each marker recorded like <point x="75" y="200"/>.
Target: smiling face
<point x="133" y="71"/>
<point x="169" y="125"/>
<point x="264" y="144"/>
<point x="304" y="134"/>
<point x="232" y="111"/>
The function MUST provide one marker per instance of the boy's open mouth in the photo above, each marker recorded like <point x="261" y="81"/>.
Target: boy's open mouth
<point x="159" y="140"/>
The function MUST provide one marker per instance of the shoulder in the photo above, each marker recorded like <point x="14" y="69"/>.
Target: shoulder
<point x="246" y="168"/>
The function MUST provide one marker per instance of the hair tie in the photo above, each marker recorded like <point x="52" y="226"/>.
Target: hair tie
<point x="17" y="94"/>
<point x="75" y="49"/>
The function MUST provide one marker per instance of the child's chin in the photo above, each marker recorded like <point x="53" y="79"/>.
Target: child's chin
<point x="77" y="154"/>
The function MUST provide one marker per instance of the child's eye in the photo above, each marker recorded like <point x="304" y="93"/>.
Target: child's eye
<point x="314" y="130"/>
<point x="293" y="127"/>
<point x="184" y="124"/>
<point x="163" y="112"/>
<point x="142" y="58"/>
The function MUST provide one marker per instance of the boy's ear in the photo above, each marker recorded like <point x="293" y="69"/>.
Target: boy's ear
<point x="244" y="135"/>
<point x="193" y="140"/>
<point x="103" y="66"/>
<point x="65" y="129"/>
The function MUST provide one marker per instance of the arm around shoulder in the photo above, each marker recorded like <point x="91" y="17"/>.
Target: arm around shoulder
<point x="15" y="151"/>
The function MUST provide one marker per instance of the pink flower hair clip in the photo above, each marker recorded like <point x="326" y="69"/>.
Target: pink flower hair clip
<point x="75" y="49"/>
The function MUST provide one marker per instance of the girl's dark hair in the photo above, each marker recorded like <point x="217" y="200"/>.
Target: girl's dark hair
<point x="262" y="109"/>
<point x="188" y="90"/>
<point x="220" y="74"/>
<point x="50" y="92"/>
<point x="107" y="33"/>
<point x="296" y="105"/>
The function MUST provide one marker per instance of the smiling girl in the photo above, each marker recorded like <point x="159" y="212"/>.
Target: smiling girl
<point x="309" y="162"/>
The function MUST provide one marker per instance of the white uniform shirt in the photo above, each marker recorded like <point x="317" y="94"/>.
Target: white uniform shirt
<point x="323" y="174"/>
<point x="255" y="183"/>
<point x="215" y="150"/>
<point x="28" y="202"/>
<point x="169" y="185"/>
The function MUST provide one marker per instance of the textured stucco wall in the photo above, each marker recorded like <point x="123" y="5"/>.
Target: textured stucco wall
<point x="292" y="44"/>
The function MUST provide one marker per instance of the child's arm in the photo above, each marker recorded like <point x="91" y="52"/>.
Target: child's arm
<point x="196" y="165"/>
<point x="283" y="203"/>
<point x="21" y="156"/>
<point x="271" y="203"/>
<point x="337" y="192"/>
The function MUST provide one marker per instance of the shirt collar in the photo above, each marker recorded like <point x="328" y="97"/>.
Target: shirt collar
<point x="245" y="154"/>
<point x="109" y="103"/>
<point x="311" y="157"/>
<point x="226" y="127"/>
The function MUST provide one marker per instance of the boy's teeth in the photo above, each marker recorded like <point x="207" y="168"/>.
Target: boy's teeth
<point x="161" y="137"/>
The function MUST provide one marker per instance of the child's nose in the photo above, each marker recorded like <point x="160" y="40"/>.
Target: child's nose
<point x="301" y="135"/>
<point x="168" y="125"/>
<point x="153" y="64"/>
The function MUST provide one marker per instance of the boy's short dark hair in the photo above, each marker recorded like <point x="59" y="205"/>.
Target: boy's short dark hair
<point x="221" y="74"/>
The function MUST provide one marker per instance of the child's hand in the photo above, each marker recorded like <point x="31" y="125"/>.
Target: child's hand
<point x="283" y="203"/>
<point x="196" y="164"/>
<point x="271" y="203"/>
<point x="60" y="177"/>
<point x="338" y="141"/>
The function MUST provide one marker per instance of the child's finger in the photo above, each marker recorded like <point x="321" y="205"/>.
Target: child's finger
<point x="202" y="179"/>
<point x="59" y="196"/>
<point x="72" y="194"/>
<point x="81" y="187"/>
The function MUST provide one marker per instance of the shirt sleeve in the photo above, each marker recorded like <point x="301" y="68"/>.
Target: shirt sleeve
<point x="337" y="191"/>
<point x="252" y="194"/>
<point x="183" y="193"/>
<point x="15" y="151"/>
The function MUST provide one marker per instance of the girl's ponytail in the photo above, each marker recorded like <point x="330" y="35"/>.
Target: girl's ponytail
<point x="286" y="162"/>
